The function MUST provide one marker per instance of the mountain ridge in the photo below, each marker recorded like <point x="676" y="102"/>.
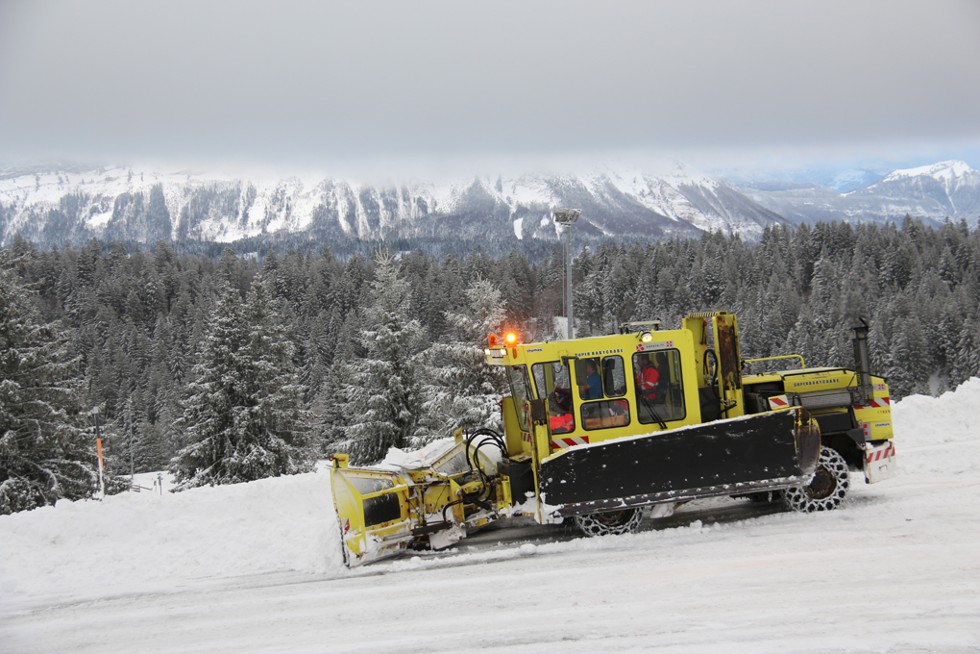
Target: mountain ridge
<point x="62" y="203"/>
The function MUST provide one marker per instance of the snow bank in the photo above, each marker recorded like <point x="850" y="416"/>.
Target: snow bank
<point x="133" y="542"/>
<point x="931" y="432"/>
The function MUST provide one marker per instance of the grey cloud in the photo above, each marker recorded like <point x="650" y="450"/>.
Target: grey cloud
<point x="334" y="80"/>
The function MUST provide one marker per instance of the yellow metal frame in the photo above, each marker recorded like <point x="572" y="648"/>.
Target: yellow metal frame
<point x="876" y="417"/>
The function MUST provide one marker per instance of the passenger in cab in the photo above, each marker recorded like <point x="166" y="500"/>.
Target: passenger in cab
<point x="647" y="379"/>
<point x="591" y="389"/>
<point x="562" y="420"/>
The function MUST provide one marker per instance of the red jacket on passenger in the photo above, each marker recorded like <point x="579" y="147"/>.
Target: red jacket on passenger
<point x="646" y="382"/>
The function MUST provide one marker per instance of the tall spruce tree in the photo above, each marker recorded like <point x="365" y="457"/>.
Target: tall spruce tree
<point x="462" y="391"/>
<point x="382" y="395"/>
<point x="44" y="455"/>
<point x="243" y="419"/>
<point x="276" y="416"/>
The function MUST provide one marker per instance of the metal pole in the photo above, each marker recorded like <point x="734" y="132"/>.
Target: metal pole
<point x="566" y="218"/>
<point x="98" y="447"/>
<point x="132" y="463"/>
<point x="862" y="361"/>
<point x="568" y="281"/>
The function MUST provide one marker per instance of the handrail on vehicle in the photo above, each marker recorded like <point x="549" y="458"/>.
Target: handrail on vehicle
<point x="777" y="358"/>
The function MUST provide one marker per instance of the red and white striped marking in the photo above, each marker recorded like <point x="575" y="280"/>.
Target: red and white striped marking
<point x="875" y="403"/>
<point x="881" y="453"/>
<point x="778" y="402"/>
<point x="568" y="441"/>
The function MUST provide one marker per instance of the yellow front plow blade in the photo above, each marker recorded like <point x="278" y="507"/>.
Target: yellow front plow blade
<point x="373" y="510"/>
<point x="428" y="501"/>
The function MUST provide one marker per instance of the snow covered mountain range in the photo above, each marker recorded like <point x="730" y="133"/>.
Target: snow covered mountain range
<point x="949" y="189"/>
<point x="60" y="205"/>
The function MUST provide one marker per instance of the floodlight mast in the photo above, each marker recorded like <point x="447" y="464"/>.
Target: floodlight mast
<point x="567" y="218"/>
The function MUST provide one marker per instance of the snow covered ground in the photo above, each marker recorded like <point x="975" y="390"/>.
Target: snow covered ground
<point x="256" y="567"/>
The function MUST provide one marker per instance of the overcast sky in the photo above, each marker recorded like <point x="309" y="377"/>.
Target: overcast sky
<point x="334" y="84"/>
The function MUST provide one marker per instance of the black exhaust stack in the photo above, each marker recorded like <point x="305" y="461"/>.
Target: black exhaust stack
<point x="862" y="361"/>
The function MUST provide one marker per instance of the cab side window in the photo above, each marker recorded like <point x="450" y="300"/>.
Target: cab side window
<point x="658" y="385"/>
<point x="614" y="376"/>
<point x="605" y="414"/>
<point x="553" y="383"/>
<point x="588" y="379"/>
<point x="598" y="379"/>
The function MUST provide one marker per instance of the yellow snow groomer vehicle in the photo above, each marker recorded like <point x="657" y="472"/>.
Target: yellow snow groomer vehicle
<point x="600" y="430"/>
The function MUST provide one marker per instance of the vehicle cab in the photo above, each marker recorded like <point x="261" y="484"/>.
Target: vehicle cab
<point x="593" y="389"/>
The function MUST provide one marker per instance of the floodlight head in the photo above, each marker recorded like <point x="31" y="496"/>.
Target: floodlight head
<point x="566" y="216"/>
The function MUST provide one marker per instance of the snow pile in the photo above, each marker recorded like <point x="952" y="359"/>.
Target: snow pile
<point x="937" y="435"/>
<point x="398" y="459"/>
<point x="139" y="541"/>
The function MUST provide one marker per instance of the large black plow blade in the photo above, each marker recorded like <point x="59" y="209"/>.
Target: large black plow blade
<point x="753" y="453"/>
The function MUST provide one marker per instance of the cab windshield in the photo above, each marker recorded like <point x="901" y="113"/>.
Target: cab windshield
<point x="553" y="383"/>
<point x="520" y="391"/>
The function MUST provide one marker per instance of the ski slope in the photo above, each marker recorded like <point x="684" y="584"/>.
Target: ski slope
<point x="257" y="567"/>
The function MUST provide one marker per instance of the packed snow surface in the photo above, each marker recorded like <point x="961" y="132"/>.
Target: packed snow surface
<point x="257" y="567"/>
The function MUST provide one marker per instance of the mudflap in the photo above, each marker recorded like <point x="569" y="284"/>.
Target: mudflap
<point x="879" y="461"/>
<point x="373" y="512"/>
<point x="754" y="453"/>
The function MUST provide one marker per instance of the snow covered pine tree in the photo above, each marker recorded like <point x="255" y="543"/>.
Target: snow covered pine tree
<point x="44" y="455"/>
<point x="244" y="418"/>
<point x="383" y="391"/>
<point x="462" y="390"/>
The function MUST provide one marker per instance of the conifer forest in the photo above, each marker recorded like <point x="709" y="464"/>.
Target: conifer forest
<point x="232" y="367"/>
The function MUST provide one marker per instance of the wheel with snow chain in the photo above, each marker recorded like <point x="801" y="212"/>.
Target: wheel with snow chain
<point x="826" y="490"/>
<point x="612" y="523"/>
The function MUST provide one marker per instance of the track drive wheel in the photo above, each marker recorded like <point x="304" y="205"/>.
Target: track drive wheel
<point x="766" y="497"/>
<point x="613" y="523"/>
<point x="826" y="490"/>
